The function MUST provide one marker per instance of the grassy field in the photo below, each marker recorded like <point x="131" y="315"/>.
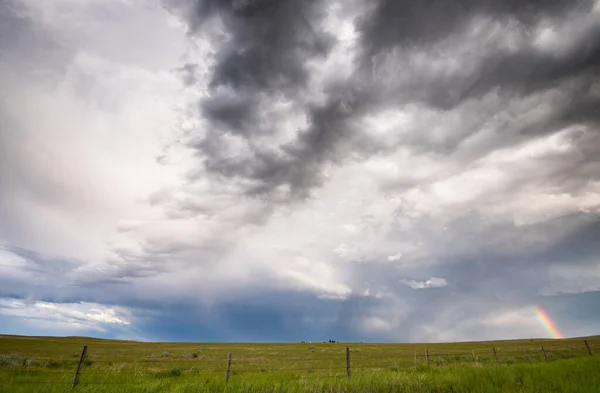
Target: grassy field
<point x="45" y="364"/>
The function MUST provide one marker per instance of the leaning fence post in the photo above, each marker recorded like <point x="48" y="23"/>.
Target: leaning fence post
<point x="427" y="357"/>
<point x="496" y="355"/>
<point x="80" y="366"/>
<point x="544" y="352"/>
<point x="228" y="367"/>
<point x="588" y="347"/>
<point x="347" y="361"/>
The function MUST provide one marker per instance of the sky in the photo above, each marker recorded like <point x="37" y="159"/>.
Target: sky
<point x="280" y="170"/>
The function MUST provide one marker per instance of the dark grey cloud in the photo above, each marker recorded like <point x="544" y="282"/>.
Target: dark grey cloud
<point x="259" y="61"/>
<point x="37" y="264"/>
<point x="296" y="164"/>
<point x="582" y="107"/>
<point x="188" y="74"/>
<point x="488" y="68"/>
<point x="412" y="22"/>
<point x="267" y="41"/>
<point x="235" y="113"/>
<point x="263" y="57"/>
<point x="529" y="69"/>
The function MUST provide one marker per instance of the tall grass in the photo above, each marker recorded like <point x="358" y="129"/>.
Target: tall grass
<point x="570" y="375"/>
<point x="48" y="365"/>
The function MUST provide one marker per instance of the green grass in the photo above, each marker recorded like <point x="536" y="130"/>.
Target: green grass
<point x="45" y="364"/>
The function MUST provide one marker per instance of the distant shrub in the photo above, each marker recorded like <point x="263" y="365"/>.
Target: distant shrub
<point x="52" y="364"/>
<point x="312" y="348"/>
<point x="30" y="362"/>
<point x="175" y="372"/>
<point x="166" y="354"/>
<point x="195" y="354"/>
<point x="11" y="360"/>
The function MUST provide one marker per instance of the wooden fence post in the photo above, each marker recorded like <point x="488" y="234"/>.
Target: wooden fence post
<point x="80" y="366"/>
<point x="544" y="352"/>
<point x="347" y="361"/>
<point x="228" y="367"/>
<point x="427" y="357"/>
<point x="496" y="355"/>
<point x="588" y="347"/>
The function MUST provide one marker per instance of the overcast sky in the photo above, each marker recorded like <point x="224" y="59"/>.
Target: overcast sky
<point x="264" y="170"/>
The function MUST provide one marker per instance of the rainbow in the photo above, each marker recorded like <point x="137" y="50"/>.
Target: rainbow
<point x="547" y="322"/>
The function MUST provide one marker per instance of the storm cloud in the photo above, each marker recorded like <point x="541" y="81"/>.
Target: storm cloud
<point x="439" y="55"/>
<point x="299" y="170"/>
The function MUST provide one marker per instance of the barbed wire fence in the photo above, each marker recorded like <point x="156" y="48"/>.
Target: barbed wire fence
<point x="348" y="363"/>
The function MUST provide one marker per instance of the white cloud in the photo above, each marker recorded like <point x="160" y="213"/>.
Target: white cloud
<point x="432" y="282"/>
<point x="68" y="315"/>
<point x="395" y="257"/>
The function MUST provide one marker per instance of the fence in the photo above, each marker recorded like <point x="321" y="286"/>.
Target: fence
<point x="339" y="362"/>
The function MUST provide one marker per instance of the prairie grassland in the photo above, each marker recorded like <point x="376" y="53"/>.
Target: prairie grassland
<point x="48" y="364"/>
